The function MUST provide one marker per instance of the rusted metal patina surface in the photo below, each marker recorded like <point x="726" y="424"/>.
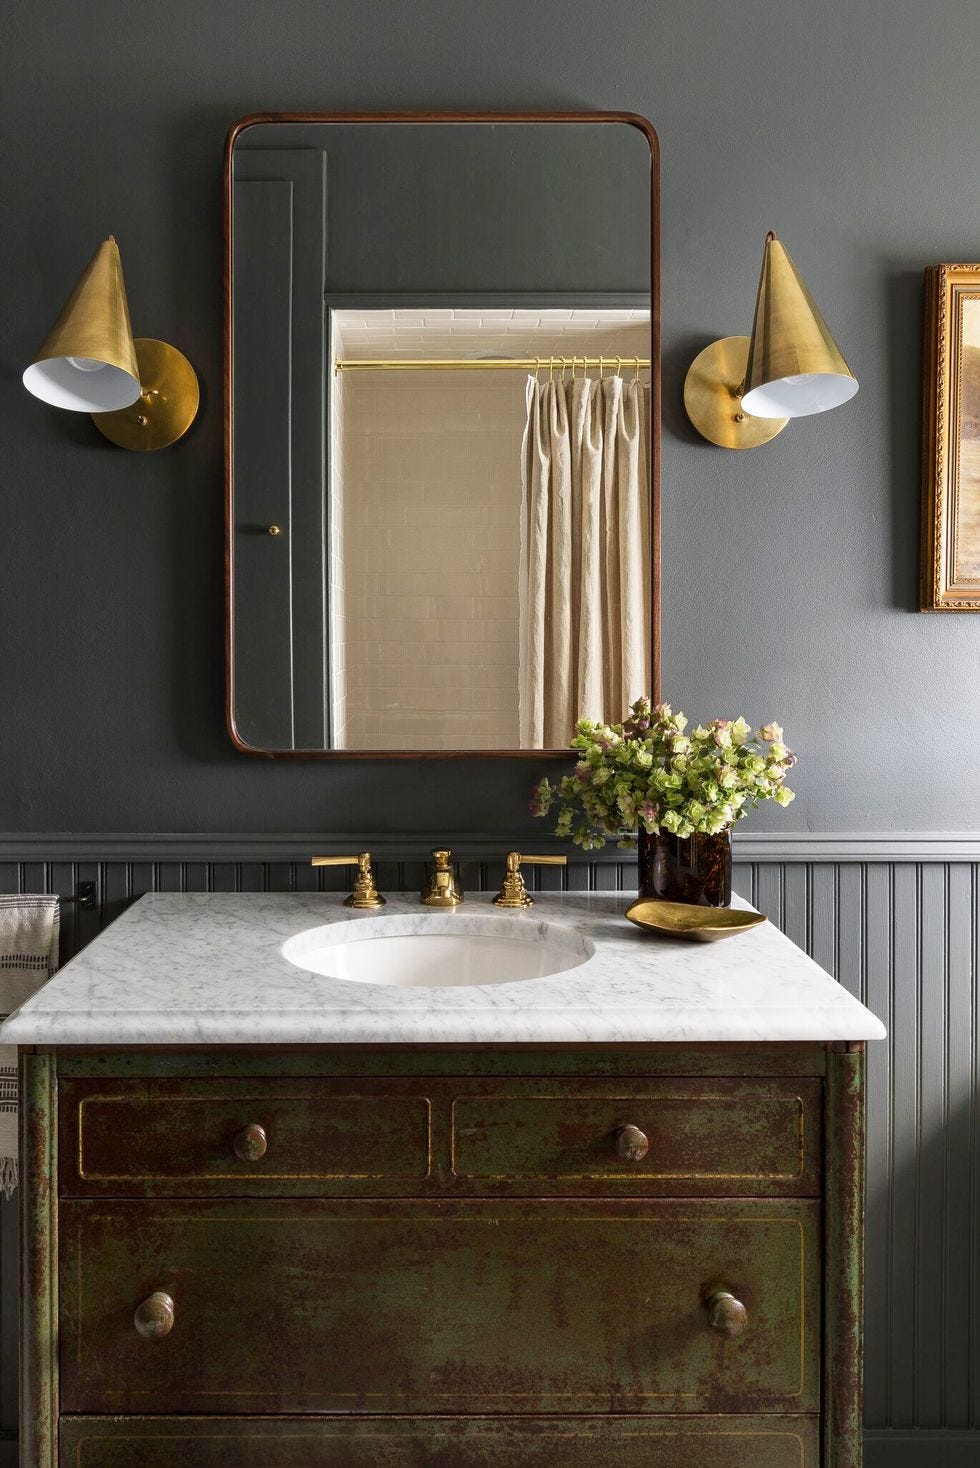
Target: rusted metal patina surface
<point x="664" y="1138"/>
<point x="183" y="1137"/>
<point x="743" y="1058"/>
<point x="477" y="1442"/>
<point x="188" y="1136"/>
<point x="38" y="1263"/>
<point x="412" y="1306"/>
<point x="462" y="1244"/>
<point x="844" y="1259"/>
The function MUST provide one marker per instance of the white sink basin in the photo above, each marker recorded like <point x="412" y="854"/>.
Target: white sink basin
<point x="438" y="950"/>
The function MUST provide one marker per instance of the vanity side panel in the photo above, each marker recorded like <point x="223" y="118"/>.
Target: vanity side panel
<point x="843" y="1368"/>
<point x="443" y="1442"/>
<point x="39" y="1268"/>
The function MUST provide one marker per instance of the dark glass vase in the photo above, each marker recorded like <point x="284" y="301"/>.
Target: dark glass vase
<point x="686" y="868"/>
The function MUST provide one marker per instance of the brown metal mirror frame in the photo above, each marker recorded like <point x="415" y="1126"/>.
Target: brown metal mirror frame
<point x="629" y="118"/>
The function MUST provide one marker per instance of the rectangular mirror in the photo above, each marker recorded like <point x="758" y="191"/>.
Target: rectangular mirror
<point x="442" y="430"/>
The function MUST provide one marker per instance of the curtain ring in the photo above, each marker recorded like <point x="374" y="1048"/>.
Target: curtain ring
<point x="551" y="369"/>
<point x="564" y="365"/>
<point x="619" y="366"/>
<point x="636" y="369"/>
<point x="601" y="367"/>
<point x="537" y="367"/>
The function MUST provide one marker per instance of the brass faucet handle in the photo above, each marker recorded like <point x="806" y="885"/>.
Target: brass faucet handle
<point x="441" y="887"/>
<point x="513" y="892"/>
<point x="364" y="894"/>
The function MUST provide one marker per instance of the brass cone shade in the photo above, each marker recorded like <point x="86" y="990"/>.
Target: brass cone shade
<point x="794" y="366"/>
<point x="88" y="361"/>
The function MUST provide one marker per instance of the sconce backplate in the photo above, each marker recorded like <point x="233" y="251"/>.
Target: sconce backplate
<point x="168" y="404"/>
<point x="712" y="397"/>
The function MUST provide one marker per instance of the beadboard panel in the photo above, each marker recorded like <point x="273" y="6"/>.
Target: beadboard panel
<point x="900" y="933"/>
<point x="903" y="937"/>
<point x="918" y="1448"/>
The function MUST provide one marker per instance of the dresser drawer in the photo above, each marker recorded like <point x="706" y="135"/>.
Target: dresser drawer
<point x="228" y="1137"/>
<point x="660" y="1137"/>
<point x="439" y="1306"/>
<point x="399" y="1442"/>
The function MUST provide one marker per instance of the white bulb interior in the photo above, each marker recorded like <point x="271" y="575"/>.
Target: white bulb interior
<point x="799" y="396"/>
<point x="81" y="384"/>
<point x="86" y="364"/>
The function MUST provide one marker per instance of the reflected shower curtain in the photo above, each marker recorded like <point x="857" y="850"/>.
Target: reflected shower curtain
<point x="585" y="587"/>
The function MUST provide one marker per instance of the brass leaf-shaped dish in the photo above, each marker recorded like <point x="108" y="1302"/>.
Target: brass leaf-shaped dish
<point x="689" y="920"/>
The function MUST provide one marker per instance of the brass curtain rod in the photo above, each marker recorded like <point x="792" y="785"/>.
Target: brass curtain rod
<point x="486" y="364"/>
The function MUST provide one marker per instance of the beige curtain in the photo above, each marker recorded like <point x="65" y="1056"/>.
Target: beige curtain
<point x="585" y="592"/>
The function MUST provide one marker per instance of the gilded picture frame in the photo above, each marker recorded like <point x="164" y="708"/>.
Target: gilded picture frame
<point x="951" y="441"/>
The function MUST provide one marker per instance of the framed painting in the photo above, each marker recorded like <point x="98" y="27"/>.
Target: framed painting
<point x="951" y="441"/>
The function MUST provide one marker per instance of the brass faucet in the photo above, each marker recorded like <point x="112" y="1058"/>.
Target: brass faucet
<point x="513" y="892"/>
<point x="365" y="894"/>
<point x="441" y="887"/>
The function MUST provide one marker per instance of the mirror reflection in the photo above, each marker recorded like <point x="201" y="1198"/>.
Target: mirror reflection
<point x="467" y="562"/>
<point x="489" y="526"/>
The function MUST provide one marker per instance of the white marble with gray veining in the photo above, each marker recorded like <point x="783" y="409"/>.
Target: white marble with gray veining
<point x="208" y="969"/>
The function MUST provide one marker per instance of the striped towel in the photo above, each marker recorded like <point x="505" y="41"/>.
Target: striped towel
<point x="28" y="958"/>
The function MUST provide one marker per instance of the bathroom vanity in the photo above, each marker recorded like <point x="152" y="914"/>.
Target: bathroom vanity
<point x="272" y="1217"/>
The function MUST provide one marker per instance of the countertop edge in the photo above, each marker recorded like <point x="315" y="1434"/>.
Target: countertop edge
<point x="574" y="1027"/>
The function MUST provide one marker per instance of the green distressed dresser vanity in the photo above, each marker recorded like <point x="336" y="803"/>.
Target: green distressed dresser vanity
<point x="327" y="1249"/>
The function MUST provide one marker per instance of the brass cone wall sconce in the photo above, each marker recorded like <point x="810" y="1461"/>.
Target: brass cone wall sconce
<point x="741" y="391"/>
<point x="142" y="394"/>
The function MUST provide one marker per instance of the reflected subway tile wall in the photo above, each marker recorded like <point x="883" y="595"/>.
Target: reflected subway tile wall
<point x="432" y="493"/>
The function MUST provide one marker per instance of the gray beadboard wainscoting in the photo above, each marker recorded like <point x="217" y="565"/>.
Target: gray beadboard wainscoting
<point x="894" y="918"/>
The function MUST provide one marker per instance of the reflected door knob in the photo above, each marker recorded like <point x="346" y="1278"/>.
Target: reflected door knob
<point x="251" y="1143"/>
<point x="632" y="1144"/>
<point x="154" y="1318"/>
<point x="726" y="1315"/>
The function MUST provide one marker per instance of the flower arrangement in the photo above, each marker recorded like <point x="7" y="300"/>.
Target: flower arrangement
<point x="648" y="774"/>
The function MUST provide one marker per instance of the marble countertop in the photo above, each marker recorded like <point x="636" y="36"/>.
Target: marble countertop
<point x="208" y="968"/>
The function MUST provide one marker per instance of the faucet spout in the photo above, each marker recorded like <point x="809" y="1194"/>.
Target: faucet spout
<point x="442" y="888"/>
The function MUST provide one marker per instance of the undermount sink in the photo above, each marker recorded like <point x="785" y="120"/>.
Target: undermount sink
<point x="437" y="951"/>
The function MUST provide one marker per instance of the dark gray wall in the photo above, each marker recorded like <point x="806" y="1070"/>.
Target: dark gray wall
<point x="790" y="571"/>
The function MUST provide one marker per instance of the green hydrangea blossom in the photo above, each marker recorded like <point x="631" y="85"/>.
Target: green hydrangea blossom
<point x="648" y="774"/>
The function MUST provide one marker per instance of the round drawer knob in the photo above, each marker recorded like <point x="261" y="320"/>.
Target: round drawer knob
<point x="726" y="1315"/>
<point x="251" y="1143"/>
<point x="632" y="1144"/>
<point x="155" y="1317"/>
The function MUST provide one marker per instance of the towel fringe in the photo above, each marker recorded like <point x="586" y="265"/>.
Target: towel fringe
<point x="8" y="1176"/>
